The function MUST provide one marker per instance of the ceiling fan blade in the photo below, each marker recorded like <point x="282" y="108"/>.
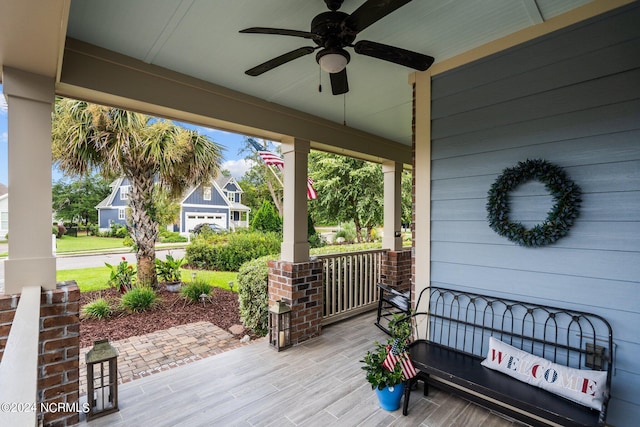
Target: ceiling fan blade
<point x="278" y="31"/>
<point x="339" y="83"/>
<point x="397" y="55"/>
<point x="370" y="12"/>
<point x="279" y="60"/>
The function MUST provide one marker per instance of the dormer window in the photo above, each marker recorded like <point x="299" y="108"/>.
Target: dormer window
<point x="206" y="193"/>
<point x="124" y="192"/>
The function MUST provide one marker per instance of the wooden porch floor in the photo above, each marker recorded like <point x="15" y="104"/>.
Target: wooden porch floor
<point x="318" y="383"/>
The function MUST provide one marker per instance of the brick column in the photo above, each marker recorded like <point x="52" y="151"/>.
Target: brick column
<point x="396" y="270"/>
<point x="300" y="286"/>
<point x="58" y="350"/>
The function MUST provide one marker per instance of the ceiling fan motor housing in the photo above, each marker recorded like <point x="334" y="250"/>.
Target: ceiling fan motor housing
<point x="330" y="31"/>
<point x="333" y="4"/>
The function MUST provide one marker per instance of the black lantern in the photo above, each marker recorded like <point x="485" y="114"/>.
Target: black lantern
<point x="280" y="326"/>
<point x="102" y="379"/>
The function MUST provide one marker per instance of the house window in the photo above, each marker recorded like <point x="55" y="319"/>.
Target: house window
<point x="206" y="193"/>
<point x="231" y="196"/>
<point x="122" y="214"/>
<point x="124" y="192"/>
<point x="4" y="221"/>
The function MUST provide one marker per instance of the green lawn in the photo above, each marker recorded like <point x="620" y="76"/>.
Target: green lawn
<point x="87" y="243"/>
<point x="95" y="279"/>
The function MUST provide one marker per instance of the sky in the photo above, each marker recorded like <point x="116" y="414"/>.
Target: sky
<point x="233" y="160"/>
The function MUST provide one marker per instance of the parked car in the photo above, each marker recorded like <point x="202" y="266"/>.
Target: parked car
<point x="213" y="227"/>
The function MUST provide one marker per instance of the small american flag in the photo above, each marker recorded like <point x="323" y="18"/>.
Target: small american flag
<point x="395" y="356"/>
<point x="274" y="160"/>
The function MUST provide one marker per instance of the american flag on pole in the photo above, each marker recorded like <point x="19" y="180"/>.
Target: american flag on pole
<point x="271" y="159"/>
<point x="394" y="356"/>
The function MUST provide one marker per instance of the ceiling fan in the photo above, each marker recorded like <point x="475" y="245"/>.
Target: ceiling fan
<point x="333" y="31"/>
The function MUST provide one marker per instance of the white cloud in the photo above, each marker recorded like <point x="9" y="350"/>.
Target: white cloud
<point x="4" y="137"/>
<point x="3" y="104"/>
<point x="238" y="167"/>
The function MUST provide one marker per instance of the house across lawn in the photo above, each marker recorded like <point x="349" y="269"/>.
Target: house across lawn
<point x="218" y="202"/>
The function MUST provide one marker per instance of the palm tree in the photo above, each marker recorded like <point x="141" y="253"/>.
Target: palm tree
<point x="88" y="137"/>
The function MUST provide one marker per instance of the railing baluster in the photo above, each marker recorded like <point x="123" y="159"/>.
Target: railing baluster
<point x="349" y="282"/>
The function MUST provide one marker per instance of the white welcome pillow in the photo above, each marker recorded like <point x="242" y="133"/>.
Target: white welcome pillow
<point x="583" y="386"/>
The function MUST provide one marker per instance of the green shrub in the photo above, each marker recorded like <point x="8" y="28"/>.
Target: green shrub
<point x="252" y="294"/>
<point x="128" y="241"/>
<point x="192" y="291"/>
<point x="97" y="309"/>
<point x="347" y="232"/>
<point x="239" y="248"/>
<point x="166" y="236"/>
<point x="266" y="219"/>
<point x="118" y="230"/>
<point x="315" y="239"/>
<point x="200" y="254"/>
<point x="139" y="298"/>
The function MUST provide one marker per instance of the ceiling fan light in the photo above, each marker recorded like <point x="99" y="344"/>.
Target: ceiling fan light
<point x="333" y="62"/>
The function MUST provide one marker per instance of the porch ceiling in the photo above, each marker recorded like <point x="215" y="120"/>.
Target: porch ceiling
<point x="197" y="43"/>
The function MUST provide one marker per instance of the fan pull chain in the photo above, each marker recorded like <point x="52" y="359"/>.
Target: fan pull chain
<point x="344" y="109"/>
<point x="319" y="79"/>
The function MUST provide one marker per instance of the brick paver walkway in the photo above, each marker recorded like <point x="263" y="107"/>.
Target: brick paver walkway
<point x="144" y="355"/>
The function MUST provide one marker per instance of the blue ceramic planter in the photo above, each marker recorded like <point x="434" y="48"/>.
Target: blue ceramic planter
<point x="390" y="397"/>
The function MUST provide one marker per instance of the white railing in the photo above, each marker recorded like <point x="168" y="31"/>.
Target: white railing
<point x="19" y="366"/>
<point x="349" y="283"/>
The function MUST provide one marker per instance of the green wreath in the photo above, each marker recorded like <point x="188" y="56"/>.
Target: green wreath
<point x="566" y="195"/>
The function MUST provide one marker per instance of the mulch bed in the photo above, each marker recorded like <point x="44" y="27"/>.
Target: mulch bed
<point x="221" y="310"/>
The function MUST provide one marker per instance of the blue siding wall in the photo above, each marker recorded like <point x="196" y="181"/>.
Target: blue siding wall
<point x="195" y="198"/>
<point x="231" y="187"/>
<point x="573" y="99"/>
<point x="109" y="216"/>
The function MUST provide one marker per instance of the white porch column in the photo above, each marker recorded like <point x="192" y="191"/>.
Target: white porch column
<point x="30" y="98"/>
<point x="392" y="237"/>
<point x="295" y="245"/>
<point x="422" y="180"/>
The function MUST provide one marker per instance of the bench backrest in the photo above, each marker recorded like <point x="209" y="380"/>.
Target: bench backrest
<point x="465" y="321"/>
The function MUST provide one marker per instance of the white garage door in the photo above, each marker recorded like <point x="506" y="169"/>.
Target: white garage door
<point x="195" y="218"/>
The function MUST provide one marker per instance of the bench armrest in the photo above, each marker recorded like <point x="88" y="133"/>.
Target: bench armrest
<point x="392" y="291"/>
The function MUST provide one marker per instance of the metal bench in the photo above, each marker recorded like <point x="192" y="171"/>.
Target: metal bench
<point x="390" y="303"/>
<point x="452" y="340"/>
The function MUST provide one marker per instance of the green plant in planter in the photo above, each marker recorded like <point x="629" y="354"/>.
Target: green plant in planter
<point x="400" y="328"/>
<point x="377" y="375"/>
<point x="169" y="269"/>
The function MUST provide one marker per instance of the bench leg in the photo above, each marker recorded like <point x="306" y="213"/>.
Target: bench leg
<point x="407" y="392"/>
<point x="426" y="385"/>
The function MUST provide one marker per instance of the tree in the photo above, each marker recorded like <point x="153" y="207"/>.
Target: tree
<point x="76" y="201"/>
<point x="265" y="180"/>
<point x="407" y="201"/>
<point x="352" y="190"/>
<point x="167" y="207"/>
<point x="144" y="149"/>
<point x="266" y="219"/>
